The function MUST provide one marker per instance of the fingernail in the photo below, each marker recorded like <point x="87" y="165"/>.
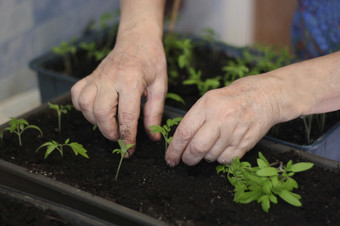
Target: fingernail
<point x="171" y="163"/>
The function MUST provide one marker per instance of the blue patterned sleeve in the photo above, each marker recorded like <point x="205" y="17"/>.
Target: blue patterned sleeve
<point x="315" y="28"/>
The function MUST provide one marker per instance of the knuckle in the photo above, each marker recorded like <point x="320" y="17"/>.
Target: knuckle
<point x="183" y="133"/>
<point x="101" y="112"/>
<point x="126" y="117"/>
<point x="85" y="103"/>
<point x="197" y="148"/>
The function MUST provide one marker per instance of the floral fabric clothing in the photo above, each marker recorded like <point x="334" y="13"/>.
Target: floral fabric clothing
<point x="316" y="28"/>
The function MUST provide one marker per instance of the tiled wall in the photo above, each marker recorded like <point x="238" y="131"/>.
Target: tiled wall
<point x="29" y="28"/>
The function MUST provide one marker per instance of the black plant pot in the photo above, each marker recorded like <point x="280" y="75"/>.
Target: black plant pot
<point x="20" y="208"/>
<point x="154" y="194"/>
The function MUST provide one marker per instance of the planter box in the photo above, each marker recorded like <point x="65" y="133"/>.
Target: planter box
<point x="148" y="192"/>
<point x="327" y="145"/>
<point x="17" y="206"/>
<point x="53" y="84"/>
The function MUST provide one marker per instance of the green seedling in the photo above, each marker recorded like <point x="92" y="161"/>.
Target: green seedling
<point x="234" y="71"/>
<point x="54" y="145"/>
<point x="175" y="97"/>
<point x="202" y="85"/>
<point x="264" y="182"/>
<point x="179" y="52"/>
<point x="93" y="51"/>
<point x="67" y="50"/>
<point x="18" y="126"/>
<point x="165" y="129"/>
<point x="123" y="150"/>
<point x="307" y="122"/>
<point x="60" y="109"/>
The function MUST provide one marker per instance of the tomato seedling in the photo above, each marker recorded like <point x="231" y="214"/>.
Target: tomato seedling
<point x="54" y="145"/>
<point x="123" y="150"/>
<point x="263" y="182"/>
<point x="165" y="129"/>
<point x="60" y="109"/>
<point x="18" y="126"/>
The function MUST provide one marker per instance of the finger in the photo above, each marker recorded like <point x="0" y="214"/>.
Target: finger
<point x="230" y="153"/>
<point x="153" y="109"/>
<point x="128" y="114"/>
<point x="226" y="130"/>
<point x="75" y="92"/>
<point x="86" y="101"/>
<point x="201" y="143"/>
<point x="238" y="146"/>
<point x="105" y="109"/>
<point x="218" y="148"/>
<point x="185" y="131"/>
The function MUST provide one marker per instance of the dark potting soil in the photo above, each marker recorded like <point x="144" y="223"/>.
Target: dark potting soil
<point x="179" y="196"/>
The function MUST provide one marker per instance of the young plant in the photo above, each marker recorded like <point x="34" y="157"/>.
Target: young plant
<point x="67" y="50"/>
<point x="93" y="51"/>
<point x="165" y="129"/>
<point x="234" y="71"/>
<point x="202" y="86"/>
<point x="264" y="182"/>
<point x="18" y="126"/>
<point x="179" y="52"/>
<point x="307" y="122"/>
<point x="175" y="97"/>
<point x="54" y="145"/>
<point x="60" y="109"/>
<point x="122" y="151"/>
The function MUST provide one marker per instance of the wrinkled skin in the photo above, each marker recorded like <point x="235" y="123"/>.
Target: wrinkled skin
<point x="223" y="124"/>
<point x="228" y="122"/>
<point x="136" y="67"/>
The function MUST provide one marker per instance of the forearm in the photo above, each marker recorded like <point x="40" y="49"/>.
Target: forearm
<point x="142" y="15"/>
<point x="308" y="87"/>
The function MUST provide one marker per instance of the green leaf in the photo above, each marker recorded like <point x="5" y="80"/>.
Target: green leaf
<point x="43" y="145"/>
<point x="290" y="184"/>
<point x="262" y="164"/>
<point x="50" y="149"/>
<point x="261" y="156"/>
<point x="301" y="166"/>
<point x="157" y="129"/>
<point x="35" y="127"/>
<point x="53" y="106"/>
<point x="221" y="168"/>
<point x="267" y="172"/>
<point x="247" y="197"/>
<point x="267" y="186"/>
<point x="290" y="197"/>
<point x="289" y="165"/>
<point x="78" y="148"/>
<point x="175" y="97"/>
<point x="265" y="203"/>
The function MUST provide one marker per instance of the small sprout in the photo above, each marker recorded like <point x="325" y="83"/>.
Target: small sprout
<point x="18" y="126"/>
<point x="263" y="182"/>
<point x="67" y="50"/>
<point x="93" y="52"/>
<point x="61" y="109"/>
<point x="234" y="71"/>
<point x="122" y="151"/>
<point x="54" y="145"/>
<point x="165" y="129"/>
<point x="175" y="97"/>
<point x="202" y="86"/>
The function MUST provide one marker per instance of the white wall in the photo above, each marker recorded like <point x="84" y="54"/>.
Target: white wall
<point x="231" y="19"/>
